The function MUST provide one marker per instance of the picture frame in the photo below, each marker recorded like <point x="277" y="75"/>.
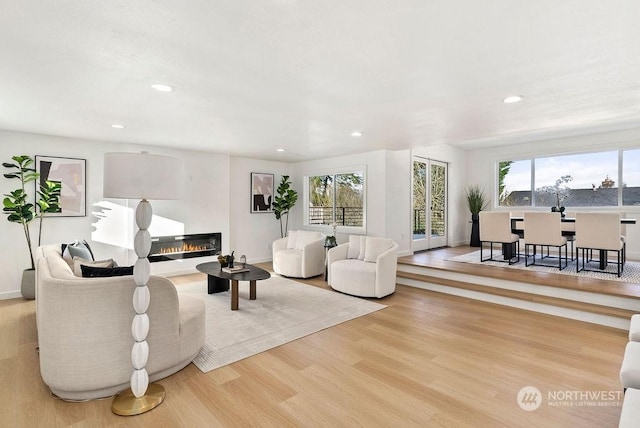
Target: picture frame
<point x="262" y="191"/>
<point x="71" y="172"/>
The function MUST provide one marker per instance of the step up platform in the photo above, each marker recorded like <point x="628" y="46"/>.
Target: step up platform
<point x="608" y="303"/>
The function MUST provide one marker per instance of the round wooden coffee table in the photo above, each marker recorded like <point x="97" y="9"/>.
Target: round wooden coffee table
<point x="217" y="277"/>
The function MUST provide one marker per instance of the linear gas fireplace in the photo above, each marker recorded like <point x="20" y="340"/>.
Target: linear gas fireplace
<point x="164" y="248"/>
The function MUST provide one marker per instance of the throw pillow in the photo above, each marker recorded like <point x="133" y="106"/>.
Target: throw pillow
<point x="77" y="249"/>
<point x="100" y="272"/>
<point x="354" y="247"/>
<point x="375" y="247"/>
<point x="363" y="245"/>
<point x="292" y="238"/>
<point x="306" y="237"/>
<point x="78" y="262"/>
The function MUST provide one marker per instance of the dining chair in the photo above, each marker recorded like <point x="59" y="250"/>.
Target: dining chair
<point x="518" y="225"/>
<point x="543" y="229"/>
<point x="600" y="232"/>
<point x="569" y="230"/>
<point x="495" y="227"/>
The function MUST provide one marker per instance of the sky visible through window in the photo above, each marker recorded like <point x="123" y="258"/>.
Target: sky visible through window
<point x="587" y="170"/>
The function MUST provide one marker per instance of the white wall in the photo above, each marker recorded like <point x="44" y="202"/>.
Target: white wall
<point x="252" y="234"/>
<point x="481" y="166"/>
<point x="398" y="199"/>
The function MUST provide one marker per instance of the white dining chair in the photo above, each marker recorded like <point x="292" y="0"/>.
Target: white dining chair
<point x="543" y="229"/>
<point x="495" y="227"/>
<point x="518" y="224"/>
<point x="600" y="232"/>
<point x="569" y="231"/>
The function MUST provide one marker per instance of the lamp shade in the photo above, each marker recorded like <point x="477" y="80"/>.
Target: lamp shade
<point x="142" y="176"/>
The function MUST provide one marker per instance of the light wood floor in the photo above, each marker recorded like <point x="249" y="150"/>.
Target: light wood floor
<point x="428" y="359"/>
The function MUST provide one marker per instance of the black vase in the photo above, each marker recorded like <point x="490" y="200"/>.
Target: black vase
<point x="475" y="231"/>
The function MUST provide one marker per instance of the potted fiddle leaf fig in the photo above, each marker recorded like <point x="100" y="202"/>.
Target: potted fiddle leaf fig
<point x="283" y="202"/>
<point x="19" y="209"/>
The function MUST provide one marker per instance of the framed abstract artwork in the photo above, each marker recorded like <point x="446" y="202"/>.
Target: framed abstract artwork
<point x="71" y="173"/>
<point x="261" y="192"/>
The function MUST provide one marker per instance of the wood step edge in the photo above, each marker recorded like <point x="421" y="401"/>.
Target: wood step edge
<point x="549" y="279"/>
<point x="524" y="296"/>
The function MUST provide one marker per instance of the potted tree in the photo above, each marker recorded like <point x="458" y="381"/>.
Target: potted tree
<point x="20" y="210"/>
<point x="283" y="202"/>
<point x="477" y="201"/>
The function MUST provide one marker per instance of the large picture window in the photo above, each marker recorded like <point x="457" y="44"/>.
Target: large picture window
<point x="336" y="198"/>
<point x="514" y="183"/>
<point x="576" y="180"/>
<point x="631" y="177"/>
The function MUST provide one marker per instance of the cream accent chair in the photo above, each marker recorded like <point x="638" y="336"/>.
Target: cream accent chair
<point x="495" y="227"/>
<point x="299" y="255"/>
<point x="634" y="328"/>
<point x="601" y="232"/>
<point x="84" y="329"/>
<point x="543" y="229"/>
<point x="365" y="266"/>
<point x="630" y="413"/>
<point x="630" y="369"/>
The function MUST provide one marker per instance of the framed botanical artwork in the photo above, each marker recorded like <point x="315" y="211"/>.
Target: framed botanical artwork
<point x="261" y="192"/>
<point x="71" y="173"/>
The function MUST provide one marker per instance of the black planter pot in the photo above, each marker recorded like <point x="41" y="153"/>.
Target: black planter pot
<point x="475" y="231"/>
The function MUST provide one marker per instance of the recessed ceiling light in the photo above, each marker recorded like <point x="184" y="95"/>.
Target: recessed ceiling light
<point x="513" y="99"/>
<point x="162" y="87"/>
<point x="356" y="134"/>
<point x="117" y="126"/>
<point x="279" y="150"/>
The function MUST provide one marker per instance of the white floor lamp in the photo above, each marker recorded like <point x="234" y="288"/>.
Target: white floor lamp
<point x="141" y="176"/>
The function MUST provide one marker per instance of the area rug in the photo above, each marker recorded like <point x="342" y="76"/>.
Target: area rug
<point x="631" y="271"/>
<point x="284" y="310"/>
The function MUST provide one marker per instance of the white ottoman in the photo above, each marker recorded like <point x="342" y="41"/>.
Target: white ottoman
<point x="634" y="328"/>
<point x="630" y="414"/>
<point x="630" y="370"/>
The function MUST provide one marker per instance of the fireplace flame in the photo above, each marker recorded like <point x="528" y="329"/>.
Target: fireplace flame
<point x="185" y="247"/>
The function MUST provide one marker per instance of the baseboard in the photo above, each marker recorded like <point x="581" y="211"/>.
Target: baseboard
<point x="10" y="295"/>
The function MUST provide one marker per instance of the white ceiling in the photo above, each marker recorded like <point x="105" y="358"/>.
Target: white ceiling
<point x="252" y="76"/>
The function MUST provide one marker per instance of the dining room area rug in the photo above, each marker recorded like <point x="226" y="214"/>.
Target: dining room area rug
<point x="284" y="310"/>
<point x="631" y="271"/>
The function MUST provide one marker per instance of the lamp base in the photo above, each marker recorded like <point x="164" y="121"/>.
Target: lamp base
<point x="127" y="404"/>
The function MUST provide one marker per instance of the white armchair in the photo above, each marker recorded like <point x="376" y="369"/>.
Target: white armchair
<point x="364" y="266"/>
<point x="299" y="255"/>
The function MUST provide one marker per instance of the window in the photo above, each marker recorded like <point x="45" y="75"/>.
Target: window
<point x="514" y="183"/>
<point x="577" y="180"/>
<point x="630" y="177"/>
<point x="336" y="198"/>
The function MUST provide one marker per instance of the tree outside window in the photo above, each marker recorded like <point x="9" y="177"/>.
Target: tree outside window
<point x="337" y="198"/>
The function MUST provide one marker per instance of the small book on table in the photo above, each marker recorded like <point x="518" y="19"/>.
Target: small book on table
<point x="235" y="269"/>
